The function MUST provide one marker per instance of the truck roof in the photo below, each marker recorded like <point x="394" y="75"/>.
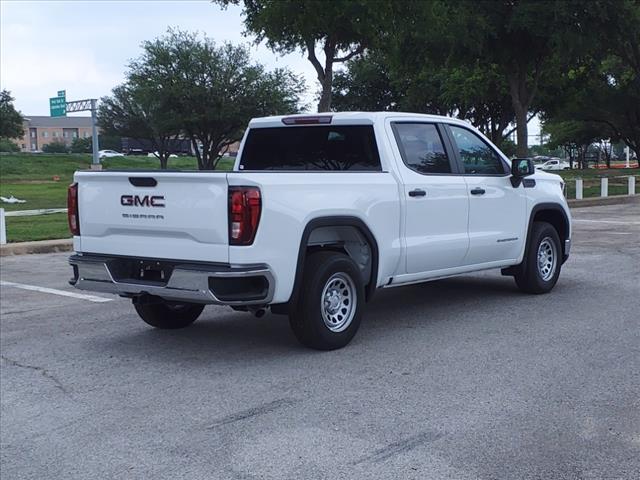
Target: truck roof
<point x="346" y="118"/>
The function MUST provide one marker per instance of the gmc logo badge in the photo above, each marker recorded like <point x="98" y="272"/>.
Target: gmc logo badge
<point x="138" y="201"/>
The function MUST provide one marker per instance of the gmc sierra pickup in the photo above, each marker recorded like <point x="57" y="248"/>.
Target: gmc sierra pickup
<point x="317" y="214"/>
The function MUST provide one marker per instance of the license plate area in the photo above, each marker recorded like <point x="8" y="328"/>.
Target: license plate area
<point x="154" y="272"/>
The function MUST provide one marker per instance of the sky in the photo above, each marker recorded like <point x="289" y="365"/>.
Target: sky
<point x="84" y="46"/>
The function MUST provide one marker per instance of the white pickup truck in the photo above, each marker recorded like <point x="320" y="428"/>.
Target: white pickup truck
<point x="317" y="214"/>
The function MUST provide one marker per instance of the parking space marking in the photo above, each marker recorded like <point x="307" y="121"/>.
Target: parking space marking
<point x="605" y="221"/>
<point x="62" y="293"/>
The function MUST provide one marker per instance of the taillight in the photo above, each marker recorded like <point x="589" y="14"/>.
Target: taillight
<point x="72" y="209"/>
<point x="245" y="206"/>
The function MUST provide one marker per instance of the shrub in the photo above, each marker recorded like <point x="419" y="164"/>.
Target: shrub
<point x="7" y="145"/>
<point x="81" y="145"/>
<point x="55" y="147"/>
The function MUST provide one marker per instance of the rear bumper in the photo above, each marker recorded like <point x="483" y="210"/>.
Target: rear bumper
<point x="174" y="279"/>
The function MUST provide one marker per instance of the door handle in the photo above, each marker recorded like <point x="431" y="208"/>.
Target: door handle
<point x="478" y="191"/>
<point x="418" y="192"/>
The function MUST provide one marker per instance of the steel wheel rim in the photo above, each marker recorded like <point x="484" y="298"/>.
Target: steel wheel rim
<point x="547" y="259"/>
<point x="338" y="302"/>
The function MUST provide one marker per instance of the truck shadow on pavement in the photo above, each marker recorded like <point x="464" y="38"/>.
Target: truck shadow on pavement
<point x="222" y="333"/>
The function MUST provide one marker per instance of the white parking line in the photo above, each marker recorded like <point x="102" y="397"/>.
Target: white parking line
<point x="605" y="221"/>
<point x="62" y="293"/>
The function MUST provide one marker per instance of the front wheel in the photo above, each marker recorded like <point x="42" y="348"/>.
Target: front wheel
<point x="328" y="310"/>
<point x="169" y="315"/>
<point x="540" y="269"/>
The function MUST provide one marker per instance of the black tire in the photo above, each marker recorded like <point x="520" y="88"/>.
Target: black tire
<point x="169" y="315"/>
<point x="306" y="315"/>
<point x="531" y="278"/>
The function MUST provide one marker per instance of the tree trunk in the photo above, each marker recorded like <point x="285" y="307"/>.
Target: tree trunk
<point x="522" y="131"/>
<point x="164" y="160"/>
<point x="324" y="105"/>
<point x="521" y="98"/>
<point x="326" y="80"/>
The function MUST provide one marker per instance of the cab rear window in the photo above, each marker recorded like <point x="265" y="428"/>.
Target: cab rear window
<point x="326" y="147"/>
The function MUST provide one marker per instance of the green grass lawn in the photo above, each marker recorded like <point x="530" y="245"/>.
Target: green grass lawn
<point x="47" y="227"/>
<point x="30" y="177"/>
<point x="37" y="195"/>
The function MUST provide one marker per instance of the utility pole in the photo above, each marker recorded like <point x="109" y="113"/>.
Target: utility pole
<point x="89" y="104"/>
<point x="95" y="161"/>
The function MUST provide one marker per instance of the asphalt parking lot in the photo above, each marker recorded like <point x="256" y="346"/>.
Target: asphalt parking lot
<point x="464" y="378"/>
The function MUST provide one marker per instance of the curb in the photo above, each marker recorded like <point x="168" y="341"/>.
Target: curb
<point x="44" y="246"/>
<point x="597" y="201"/>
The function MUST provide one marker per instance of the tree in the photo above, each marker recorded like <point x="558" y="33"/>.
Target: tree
<point x="477" y="93"/>
<point x="365" y="85"/>
<point x="140" y="109"/>
<point x="212" y="91"/>
<point x="528" y="42"/>
<point x="575" y="136"/>
<point x="11" y="125"/>
<point x="602" y="88"/>
<point x="341" y="29"/>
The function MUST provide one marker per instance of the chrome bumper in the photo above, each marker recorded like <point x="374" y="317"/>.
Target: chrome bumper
<point x="187" y="282"/>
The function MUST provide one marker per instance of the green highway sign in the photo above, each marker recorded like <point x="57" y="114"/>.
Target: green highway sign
<point x="58" y="106"/>
<point x="62" y="93"/>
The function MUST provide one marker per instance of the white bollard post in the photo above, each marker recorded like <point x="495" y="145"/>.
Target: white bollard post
<point x="3" y="228"/>
<point x="632" y="185"/>
<point x="578" y="188"/>
<point x="604" y="187"/>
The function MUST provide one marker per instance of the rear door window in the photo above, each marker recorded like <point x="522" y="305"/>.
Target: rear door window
<point x="324" y="148"/>
<point x="422" y="148"/>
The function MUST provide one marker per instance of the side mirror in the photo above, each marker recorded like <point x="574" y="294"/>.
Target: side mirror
<point x="520" y="168"/>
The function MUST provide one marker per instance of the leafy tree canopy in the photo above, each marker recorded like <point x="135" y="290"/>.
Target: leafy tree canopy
<point x="185" y="84"/>
<point x="11" y="125"/>
<point x="341" y="29"/>
<point x="212" y="91"/>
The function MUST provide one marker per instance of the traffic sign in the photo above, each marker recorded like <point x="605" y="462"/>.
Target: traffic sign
<point x="58" y="106"/>
<point x="62" y="93"/>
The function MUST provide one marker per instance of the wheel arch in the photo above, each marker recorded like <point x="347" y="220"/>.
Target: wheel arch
<point x="337" y="221"/>
<point x="554" y="214"/>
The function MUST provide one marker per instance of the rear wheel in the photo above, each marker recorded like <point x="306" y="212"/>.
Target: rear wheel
<point x="328" y="310"/>
<point x="169" y="315"/>
<point x="540" y="269"/>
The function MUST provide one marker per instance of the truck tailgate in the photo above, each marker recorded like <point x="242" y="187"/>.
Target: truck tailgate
<point x="168" y="215"/>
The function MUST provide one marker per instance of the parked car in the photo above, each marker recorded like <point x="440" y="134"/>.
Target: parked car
<point x="554" y="164"/>
<point x="318" y="213"/>
<point x="109" y="154"/>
